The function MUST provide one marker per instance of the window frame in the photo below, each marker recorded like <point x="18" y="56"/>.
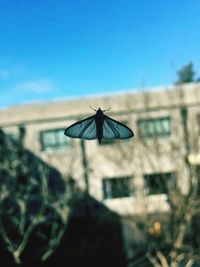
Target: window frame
<point x="163" y="175"/>
<point x="155" y="133"/>
<point x="117" y="194"/>
<point x="109" y="142"/>
<point x="57" y="145"/>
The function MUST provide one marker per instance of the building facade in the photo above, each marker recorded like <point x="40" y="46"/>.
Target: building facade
<point x="129" y="176"/>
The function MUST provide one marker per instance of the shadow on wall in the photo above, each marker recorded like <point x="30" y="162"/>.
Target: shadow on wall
<point x="38" y="217"/>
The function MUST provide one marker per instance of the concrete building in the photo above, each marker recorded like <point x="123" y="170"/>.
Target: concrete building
<point x="129" y="176"/>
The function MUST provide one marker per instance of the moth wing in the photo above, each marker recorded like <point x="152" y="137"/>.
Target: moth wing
<point x="113" y="129"/>
<point x="85" y="129"/>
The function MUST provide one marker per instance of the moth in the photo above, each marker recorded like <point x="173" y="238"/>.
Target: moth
<point x="99" y="126"/>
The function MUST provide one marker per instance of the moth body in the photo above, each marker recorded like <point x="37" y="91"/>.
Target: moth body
<point x="99" y="120"/>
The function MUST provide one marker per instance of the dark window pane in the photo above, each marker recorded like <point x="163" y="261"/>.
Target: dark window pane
<point x="198" y="179"/>
<point x="117" y="187"/>
<point x="159" y="183"/>
<point x="106" y="142"/>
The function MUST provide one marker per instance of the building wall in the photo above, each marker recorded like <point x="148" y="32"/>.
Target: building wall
<point x="135" y="157"/>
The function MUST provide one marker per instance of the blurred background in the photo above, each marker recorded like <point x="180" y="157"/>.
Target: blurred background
<point x="67" y="201"/>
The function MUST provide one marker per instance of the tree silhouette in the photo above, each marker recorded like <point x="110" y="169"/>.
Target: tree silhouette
<point x="186" y="74"/>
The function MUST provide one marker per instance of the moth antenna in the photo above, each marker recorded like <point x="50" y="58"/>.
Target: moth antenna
<point x="92" y="108"/>
<point x="106" y="109"/>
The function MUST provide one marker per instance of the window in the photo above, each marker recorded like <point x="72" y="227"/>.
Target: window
<point x="154" y="127"/>
<point x="197" y="167"/>
<point x="13" y="136"/>
<point x="53" y="139"/>
<point x="159" y="183"/>
<point x="198" y="121"/>
<point x="117" y="187"/>
<point x="106" y="142"/>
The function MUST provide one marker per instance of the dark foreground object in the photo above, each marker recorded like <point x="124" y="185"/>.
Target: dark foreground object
<point x="93" y="237"/>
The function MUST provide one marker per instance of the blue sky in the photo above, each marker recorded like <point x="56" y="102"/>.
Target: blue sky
<point x="52" y="49"/>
